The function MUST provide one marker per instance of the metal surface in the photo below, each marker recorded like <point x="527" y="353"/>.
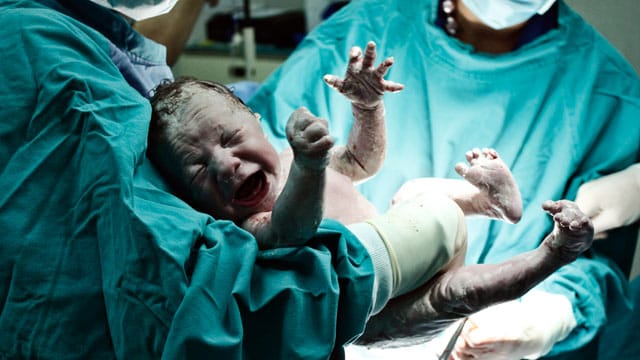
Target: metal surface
<point x="446" y="353"/>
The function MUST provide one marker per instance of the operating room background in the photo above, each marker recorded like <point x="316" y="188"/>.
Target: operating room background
<point x="617" y="20"/>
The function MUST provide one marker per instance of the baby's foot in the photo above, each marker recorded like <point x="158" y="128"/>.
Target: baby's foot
<point x="573" y="230"/>
<point x="499" y="196"/>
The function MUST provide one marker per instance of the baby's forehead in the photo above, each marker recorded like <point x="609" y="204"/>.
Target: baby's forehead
<point x="211" y="107"/>
<point x="191" y="90"/>
<point x="203" y="94"/>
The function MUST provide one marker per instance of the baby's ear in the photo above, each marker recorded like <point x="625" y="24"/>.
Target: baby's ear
<point x="257" y="116"/>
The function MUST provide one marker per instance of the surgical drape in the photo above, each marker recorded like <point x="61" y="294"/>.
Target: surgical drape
<point x="99" y="260"/>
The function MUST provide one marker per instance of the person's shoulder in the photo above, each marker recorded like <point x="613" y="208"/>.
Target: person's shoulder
<point x="29" y="20"/>
<point x="613" y="58"/>
<point x="596" y="48"/>
<point x="45" y="37"/>
<point x="616" y="75"/>
<point x="27" y="11"/>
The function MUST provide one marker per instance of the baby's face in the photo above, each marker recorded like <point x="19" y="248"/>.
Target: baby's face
<point x="228" y="168"/>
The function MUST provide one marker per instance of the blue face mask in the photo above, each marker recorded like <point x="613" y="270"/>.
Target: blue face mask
<point x="501" y="14"/>
<point x="138" y="9"/>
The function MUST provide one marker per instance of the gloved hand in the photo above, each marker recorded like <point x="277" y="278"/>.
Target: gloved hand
<point x="518" y="329"/>
<point x="611" y="201"/>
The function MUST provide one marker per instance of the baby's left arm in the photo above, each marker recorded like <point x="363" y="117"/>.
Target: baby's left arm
<point x="364" y="85"/>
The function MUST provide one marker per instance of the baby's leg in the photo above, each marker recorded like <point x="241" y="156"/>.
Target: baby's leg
<point x="422" y="236"/>
<point x="489" y="190"/>
<point x="459" y="292"/>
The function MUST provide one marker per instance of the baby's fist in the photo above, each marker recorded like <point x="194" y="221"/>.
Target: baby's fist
<point x="309" y="138"/>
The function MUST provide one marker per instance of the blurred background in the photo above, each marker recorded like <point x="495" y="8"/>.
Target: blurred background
<point x="215" y="49"/>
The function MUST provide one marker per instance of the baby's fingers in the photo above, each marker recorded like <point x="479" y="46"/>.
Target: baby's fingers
<point x="384" y="66"/>
<point x="315" y="130"/>
<point x="355" y="60"/>
<point x="391" y="86"/>
<point x="321" y="146"/>
<point x="334" y="81"/>
<point x="369" y="55"/>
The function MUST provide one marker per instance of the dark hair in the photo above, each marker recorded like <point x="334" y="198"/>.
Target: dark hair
<point x="168" y="92"/>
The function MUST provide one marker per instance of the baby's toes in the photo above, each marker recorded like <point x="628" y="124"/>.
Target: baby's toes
<point x="461" y="169"/>
<point x="472" y="155"/>
<point x="469" y="156"/>
<point x="576" y="226"/>
<point x="571" y="218"/>
<point x="552" y="207"/>
<point x="490" y="154"/>
<point x="562" y="219"/>
<point x="581" y="224"/>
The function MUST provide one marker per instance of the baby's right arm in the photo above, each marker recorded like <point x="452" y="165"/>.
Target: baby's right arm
<point x="299" y="209"/>
<point x="364" y="86"/>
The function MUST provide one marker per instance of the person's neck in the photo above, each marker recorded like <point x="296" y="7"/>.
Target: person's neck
<point x="482" y="37"/>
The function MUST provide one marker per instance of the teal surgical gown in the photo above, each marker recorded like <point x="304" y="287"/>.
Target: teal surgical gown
<point x="561" y="110"/>
<point x="99" y="261"/>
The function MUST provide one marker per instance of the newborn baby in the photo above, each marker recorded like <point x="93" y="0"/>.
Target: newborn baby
<point x="211" y="148"/>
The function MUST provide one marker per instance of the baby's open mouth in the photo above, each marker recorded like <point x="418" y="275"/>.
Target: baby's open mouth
<point x="252" y="191"/>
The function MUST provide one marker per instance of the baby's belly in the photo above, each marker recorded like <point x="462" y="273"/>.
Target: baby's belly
<point x="343" y="202"/>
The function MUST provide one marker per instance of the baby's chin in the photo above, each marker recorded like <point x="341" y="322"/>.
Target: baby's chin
<point x="267" y="203"/>
<point x="239" y="214"/>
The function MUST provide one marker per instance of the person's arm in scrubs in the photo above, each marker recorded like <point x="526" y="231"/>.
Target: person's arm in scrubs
<point x="173" y="28"/>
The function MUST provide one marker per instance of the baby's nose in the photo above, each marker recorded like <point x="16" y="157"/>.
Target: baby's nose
<point x="225" y="167"/>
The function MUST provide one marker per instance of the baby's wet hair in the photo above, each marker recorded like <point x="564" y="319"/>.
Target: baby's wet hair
<point x="169" y="100"/>
<point x="167" y="96"/>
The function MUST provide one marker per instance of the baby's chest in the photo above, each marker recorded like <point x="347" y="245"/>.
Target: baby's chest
<point x="343" y="202"/>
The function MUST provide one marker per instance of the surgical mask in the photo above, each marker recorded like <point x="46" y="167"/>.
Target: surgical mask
<point x="501" y="14"/>
<point x="138" y="9"/>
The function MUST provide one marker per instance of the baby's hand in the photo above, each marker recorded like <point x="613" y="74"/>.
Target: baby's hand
<point x="309" y="139"/>
<point x="363" y="84"/>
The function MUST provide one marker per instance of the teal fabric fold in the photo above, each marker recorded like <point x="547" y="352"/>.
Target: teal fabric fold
<point x="98" y="260"/>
